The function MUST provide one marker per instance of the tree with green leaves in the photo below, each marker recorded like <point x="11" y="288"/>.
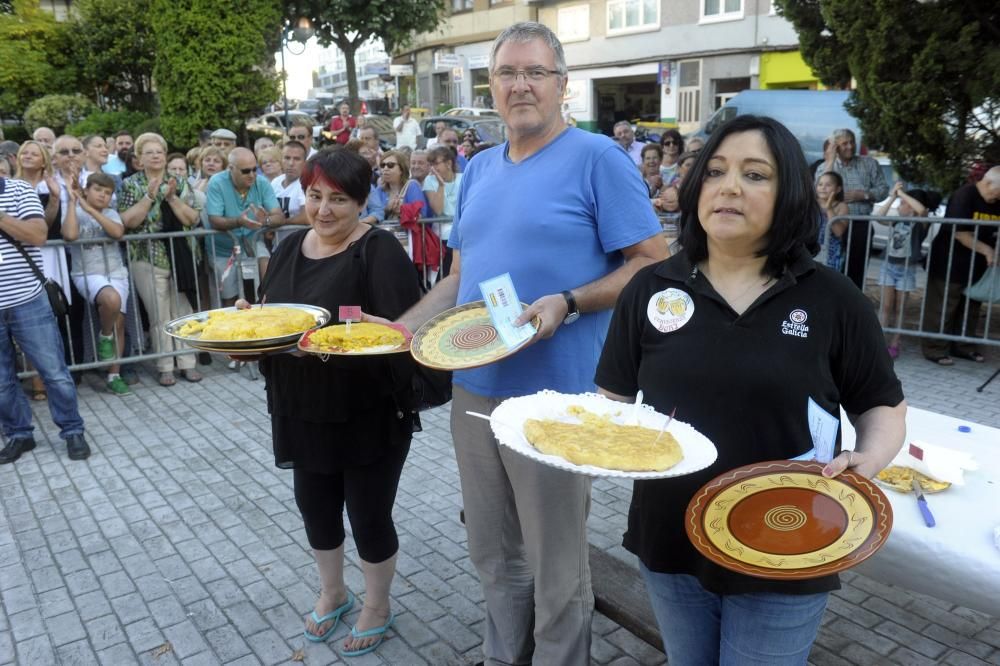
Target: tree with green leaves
<point x="57" y="112"/>
<point x="927" y="76"/>
<point x="348" y="24"/>
<point x="35" y="57"/>
<point x="115" y="47"/>
<point x="214" y="64"/>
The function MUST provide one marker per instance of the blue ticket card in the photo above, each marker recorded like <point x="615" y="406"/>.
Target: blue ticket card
<point x="504" y="307"/>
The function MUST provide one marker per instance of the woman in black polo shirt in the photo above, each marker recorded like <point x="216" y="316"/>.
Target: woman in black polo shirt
<point x="764" y="333"/>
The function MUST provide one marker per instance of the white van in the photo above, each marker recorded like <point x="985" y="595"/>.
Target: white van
<point x="811" y="115"/>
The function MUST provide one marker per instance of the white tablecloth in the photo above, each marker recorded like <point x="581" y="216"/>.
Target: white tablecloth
<point x="956" y="560"/>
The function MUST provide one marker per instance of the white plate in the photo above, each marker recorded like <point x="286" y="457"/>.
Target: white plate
<point x="508" y="420"/>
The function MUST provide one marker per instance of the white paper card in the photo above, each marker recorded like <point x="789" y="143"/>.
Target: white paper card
<point x="504" y="307"/>
<point x="823" y="429"/>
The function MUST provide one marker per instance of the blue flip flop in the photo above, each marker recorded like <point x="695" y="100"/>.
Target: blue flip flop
<point x="334" y="615"/>
<point x="377" y="631"/>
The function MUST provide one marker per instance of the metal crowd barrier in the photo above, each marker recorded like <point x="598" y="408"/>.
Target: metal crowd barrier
<point x="80" y="327"/>
<point x="966" y="321"/>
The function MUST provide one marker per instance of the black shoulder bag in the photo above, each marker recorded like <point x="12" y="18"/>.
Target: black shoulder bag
<point x="57" y="299"/>
<point x="431" y="388"/>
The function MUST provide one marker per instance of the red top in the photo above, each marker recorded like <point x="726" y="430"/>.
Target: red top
<point x="342" y="130"/>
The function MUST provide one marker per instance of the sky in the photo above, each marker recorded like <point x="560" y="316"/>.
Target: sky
<point x="300" y="67"/>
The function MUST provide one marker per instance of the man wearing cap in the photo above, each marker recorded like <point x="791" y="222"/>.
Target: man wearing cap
<point x="224" y="139"/>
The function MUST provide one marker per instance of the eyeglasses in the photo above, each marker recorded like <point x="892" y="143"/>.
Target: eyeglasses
<point x="297" y="137"/>
<point x="508" y="75"/>
<point x="670" y="142"/>
<point x="67" y="151"/>
<point x="247" y="171"/>
<point x="389" y="165"/>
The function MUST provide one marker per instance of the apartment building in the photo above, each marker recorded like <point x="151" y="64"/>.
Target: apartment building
<point x="666" y="61"/>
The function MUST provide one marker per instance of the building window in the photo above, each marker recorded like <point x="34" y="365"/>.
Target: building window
<point x="574" y="23"/>
<point x="721" y="10"/>
<point x="633" y="15"/>
<point x="461" y="6"/>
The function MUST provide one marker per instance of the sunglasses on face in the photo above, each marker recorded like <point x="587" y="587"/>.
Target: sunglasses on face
<point x="247" y="171"/>
<point x="669" y="142"/>
<point x="389" y="165"/>
<point x="67" y="151"/>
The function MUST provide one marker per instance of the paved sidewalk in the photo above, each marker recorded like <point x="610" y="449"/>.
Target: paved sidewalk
<point x="179" y="542"/>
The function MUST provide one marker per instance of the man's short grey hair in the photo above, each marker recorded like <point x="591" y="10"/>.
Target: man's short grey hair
<point x="622" y="123"/>
<point x="992" y="176"/>
<point x="302" y="121"/>
<point x="418" y="151"/>
<point x="528" y="31"/>
<point x="845" y="133"/>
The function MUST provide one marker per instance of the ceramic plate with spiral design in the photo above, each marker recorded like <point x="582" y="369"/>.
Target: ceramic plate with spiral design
<point x="784" y="520"/>
<point x="461" y="338"/>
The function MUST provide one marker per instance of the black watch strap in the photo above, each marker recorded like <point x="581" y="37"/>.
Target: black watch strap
<point x="572" y="310"/>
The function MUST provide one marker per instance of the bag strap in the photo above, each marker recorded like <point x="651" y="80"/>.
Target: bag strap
<point x="24" y="253"/>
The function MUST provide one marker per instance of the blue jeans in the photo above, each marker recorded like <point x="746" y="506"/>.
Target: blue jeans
<point x="34" y="327"/>
<point x="701" y="628"/>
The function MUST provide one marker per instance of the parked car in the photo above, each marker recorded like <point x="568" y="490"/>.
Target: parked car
<point x="383" y="125"/>
<point x="273" y="124"/>
<point x="313" y="107"/>
<point x="469" y="111"/>
<point x="489" y="129"/>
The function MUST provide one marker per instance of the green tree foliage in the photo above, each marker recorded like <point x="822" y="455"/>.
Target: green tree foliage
<point x="35" y="57"/>
<point x="57" y="112"/>
<point x="350" y="23"/>
<point x="115" y="47"/>
<point x="107" y="123"/>
<point x="214" y="67"/>
<point x="927" y="75"/>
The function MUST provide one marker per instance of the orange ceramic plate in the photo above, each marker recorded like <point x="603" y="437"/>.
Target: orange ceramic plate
<point x="784" y="520"/>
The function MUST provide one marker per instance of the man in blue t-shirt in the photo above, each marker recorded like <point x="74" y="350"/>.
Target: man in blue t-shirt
<point x="566" y="213"/>
<point x="240" y="201"/>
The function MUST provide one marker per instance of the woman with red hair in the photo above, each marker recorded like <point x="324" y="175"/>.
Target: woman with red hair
<point x="343" y="425"/>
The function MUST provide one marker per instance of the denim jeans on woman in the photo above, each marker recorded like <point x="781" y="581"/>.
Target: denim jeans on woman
<point x="700" y="628"/>
<point x="33" y="326"/>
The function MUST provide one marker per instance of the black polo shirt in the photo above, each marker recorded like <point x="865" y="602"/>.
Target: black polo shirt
<point x="742" y="380"/>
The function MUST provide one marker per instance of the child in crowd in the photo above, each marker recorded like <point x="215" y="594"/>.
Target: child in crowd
<point x="98" y="270"/>
<point x="830" y="195"/>
<point x="902" y="254"/>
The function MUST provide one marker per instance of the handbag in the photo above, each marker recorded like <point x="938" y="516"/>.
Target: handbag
<point x="57" y="298"/>
<point x="987" y="288"/>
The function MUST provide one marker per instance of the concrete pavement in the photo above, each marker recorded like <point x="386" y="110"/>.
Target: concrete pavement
<point x="178" y="541"/>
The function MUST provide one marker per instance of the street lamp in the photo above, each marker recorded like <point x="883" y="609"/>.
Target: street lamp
<point x="300" y="34"/>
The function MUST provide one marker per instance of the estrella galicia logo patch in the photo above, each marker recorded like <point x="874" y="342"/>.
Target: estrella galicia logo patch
<point x="795" y="325"/>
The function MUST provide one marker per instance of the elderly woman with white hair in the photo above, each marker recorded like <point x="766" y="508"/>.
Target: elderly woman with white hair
<point x="152" y="201"/>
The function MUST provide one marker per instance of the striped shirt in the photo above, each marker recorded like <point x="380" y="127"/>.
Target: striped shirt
<point x="18" y="283"/>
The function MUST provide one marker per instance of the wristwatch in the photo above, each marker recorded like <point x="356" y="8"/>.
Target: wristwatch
<point x="572" y="310"/>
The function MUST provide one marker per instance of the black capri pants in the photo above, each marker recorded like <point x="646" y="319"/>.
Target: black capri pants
<point x="368" y="491"/>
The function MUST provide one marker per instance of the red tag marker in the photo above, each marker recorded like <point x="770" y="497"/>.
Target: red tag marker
<point x="349" y="313"/>
<point x="916" y="452"/>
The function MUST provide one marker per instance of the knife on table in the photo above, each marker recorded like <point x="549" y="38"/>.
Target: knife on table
<point x="925" y="510"/>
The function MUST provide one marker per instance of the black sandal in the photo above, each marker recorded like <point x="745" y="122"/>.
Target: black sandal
<point x="941" y="360"/>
